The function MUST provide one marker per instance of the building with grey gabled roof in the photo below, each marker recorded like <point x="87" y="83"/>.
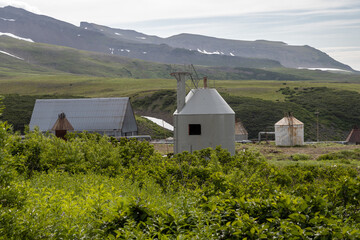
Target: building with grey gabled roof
<point x="110" y="116"/>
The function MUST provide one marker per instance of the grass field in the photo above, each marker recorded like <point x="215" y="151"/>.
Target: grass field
<point x="35" y="84"/>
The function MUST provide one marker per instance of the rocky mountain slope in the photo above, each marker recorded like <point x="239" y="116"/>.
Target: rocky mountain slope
<point x="287" y="55"/>
<point x="180" y="49"/>
<point x="19" y="56"/>
<point x="44" y="29"/>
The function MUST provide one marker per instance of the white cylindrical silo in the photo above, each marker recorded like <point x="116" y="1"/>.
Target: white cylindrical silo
<point x="289" y="131"/>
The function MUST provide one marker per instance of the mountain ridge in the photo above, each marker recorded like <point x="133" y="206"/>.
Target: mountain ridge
<point x="292" y="56"/>
<point x="48" y="30"/>
<point x="18" y="56"/>
<point x="172" y="50"/>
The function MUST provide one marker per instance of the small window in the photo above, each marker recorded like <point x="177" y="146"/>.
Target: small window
<point x="194" y="129"/>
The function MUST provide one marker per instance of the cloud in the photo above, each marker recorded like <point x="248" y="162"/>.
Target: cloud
<point x="161" y="9"/>
<point x="126" y="11"/>
<point x="19" y="4"/>
<point x="348" y="55"/>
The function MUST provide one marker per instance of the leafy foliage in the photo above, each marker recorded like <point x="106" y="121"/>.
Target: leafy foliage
<point x="94" y="187"/>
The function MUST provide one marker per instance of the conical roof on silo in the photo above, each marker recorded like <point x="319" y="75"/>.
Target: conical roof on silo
<point x="286" y="121"/>
<point x="205" y="101"/>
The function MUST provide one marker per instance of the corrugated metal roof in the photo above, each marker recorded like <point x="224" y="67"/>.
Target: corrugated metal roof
<point x="205" y="101"/>
<point x="83" y="114"/>
<point x="286" y="121"/>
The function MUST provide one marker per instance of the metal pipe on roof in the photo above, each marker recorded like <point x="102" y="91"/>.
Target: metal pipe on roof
<point x="181" y="90"/>
<point x="205" y="82"/>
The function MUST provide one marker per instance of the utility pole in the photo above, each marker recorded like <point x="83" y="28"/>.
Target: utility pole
<point x="317" y="125"/>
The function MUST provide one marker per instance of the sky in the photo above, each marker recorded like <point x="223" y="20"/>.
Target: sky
<point x="332" y="26"/>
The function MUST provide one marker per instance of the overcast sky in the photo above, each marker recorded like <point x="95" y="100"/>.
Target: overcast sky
<point x="332" y="26"/>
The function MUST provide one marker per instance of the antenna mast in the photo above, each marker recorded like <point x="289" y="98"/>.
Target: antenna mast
<point x="195" y="82"/>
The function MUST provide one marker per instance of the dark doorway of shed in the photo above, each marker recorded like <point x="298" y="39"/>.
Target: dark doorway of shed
<point x="60" y="133"/>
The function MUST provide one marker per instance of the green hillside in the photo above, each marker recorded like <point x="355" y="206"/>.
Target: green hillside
<point x="50" y="59"/>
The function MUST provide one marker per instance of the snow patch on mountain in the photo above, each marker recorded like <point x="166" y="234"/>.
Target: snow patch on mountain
<point x="119" y="34"/>
<point x="142" y="38"/>
<point x="9" y="20"/>
<point x="11" y="55"/>
<point x="17" y="37"/>
<point x="209" y="53"/>
<point x="231" y="54"/>
<point x="326" y="69"/>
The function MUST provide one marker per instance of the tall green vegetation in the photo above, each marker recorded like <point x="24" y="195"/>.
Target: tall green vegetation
<point x="93" y="187"/>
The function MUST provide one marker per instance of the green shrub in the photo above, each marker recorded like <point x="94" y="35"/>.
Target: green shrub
<point x="300" y="157"/>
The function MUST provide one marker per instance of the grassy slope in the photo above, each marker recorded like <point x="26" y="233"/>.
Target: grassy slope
<point x="50" y="59"/>
<point x="111" y="87"/>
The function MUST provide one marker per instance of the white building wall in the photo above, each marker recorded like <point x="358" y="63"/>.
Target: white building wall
<point x="286" y="135"/>
<point x="216" y="129"/>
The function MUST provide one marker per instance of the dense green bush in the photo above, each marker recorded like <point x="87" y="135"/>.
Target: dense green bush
<point x="93" y="187"/>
